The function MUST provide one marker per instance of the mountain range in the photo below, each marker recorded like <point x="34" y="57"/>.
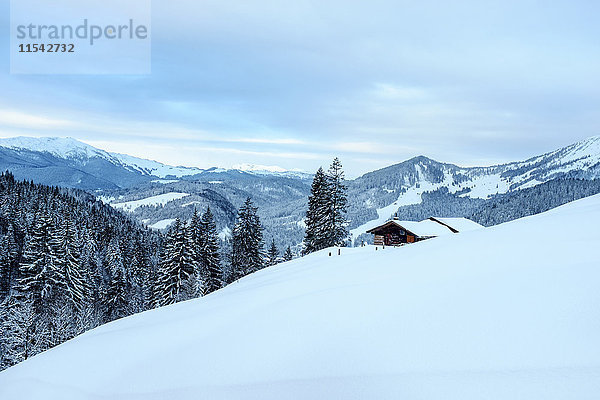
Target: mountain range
<point x="71" y="163"/>
<point x="162" y="193"/>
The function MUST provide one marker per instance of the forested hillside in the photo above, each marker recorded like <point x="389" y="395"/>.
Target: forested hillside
<point x="68" y="263"/>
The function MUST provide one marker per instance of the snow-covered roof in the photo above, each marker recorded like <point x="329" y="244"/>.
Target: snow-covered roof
<point x="425" y="228"/>
<point x="458" y="224"/>
<point x="435" y="226"/>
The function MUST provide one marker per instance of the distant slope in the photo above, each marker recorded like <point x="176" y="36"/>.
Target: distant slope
<point x="77" y="164"/>
<point x="509" y="312"/>
<point x="375" y="196"/>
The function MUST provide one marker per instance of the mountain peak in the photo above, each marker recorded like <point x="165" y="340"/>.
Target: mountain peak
<point x="255" y="167"/>
<point x="63" y="147"/>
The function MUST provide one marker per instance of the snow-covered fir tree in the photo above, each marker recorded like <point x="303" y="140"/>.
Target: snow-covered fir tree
<point x="9" y="255"/>
<point x="316" y="215"/>
<point x="287" y="255"/>
<point x="326" y="223"/>
<point x="66" y="247"/>
<point x="247" y="242"/>
<point x="337" y="206"/>
<point x="211" y="272"/>
<point x="117" y="293"/>
<point x="177" y="273"/>
<point x="41" y="274"/>
<point x="272" y="254"/>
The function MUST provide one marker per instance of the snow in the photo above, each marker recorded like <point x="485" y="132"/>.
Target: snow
<point x="164" y="181"/>
<point x="508" y="312"/>
<point x="424" y="228"/>
<point x="155" y="168"/>
<point x="271" y="170"/>
<point x="158" y="200"/>
<point x="162" y="224"/>
<point x="191" y="203"/>
<point x="225" y="233"/>
<point x="255" y="167"/>
<point x="460" y="224"/>
<point x="411" y="196"/>
<point x="67" y="148"/>
<point x="105" y="199"/>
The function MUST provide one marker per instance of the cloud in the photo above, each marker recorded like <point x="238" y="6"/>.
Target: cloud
<point x="373" y="82"/>
<point x="19" y="119"/>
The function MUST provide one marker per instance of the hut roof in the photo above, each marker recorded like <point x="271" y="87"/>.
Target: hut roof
<point x="458" y="224"/>
<point x="432" y="226"/>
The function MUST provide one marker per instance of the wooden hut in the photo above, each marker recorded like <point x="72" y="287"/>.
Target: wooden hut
<point x="396" y="232"/>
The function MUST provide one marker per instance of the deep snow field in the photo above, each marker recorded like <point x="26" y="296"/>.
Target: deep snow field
<point x="509" y="312"/>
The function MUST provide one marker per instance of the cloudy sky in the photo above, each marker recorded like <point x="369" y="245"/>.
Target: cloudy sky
<point x="295" y="83"/>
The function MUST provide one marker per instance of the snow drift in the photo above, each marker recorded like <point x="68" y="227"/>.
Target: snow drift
<point x="510" y="312"/>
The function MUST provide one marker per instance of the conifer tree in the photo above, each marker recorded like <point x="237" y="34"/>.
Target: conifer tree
<point x="211" y="271"/>
<point x="196" y="236"/>
<point x="316" y="215"/>
<point x="42" y="278"/>
<point x="17" y="339"/>
<point x="337" y="205"/>
<point x="177" y="274"/>
<point x="117" y="291"/>
<point x="287" y="256"/>
<point x="9" y="253"/>
<point x="272" y="254"/>
<point x="66" y="248"/>
<point x="247" y="242"/>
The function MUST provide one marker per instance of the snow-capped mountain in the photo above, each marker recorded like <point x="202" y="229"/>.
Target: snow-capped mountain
<point x="155" y="168"/>
<point x="376" y="195"/>
<point x="69" y="162"/>
<point x="71" y="149"/>
<point x="439" y="319"/>
<point x="67" y="148"/>
<point x="272" y="170"/>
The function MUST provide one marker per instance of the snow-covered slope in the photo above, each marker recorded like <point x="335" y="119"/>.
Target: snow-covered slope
<point x="158" y="200"/>
<point x="271" y="170"/>
<point x="60" y="147"/>
<point x="509" y="312"/>
<point x="71" y="149"/>
<point x="387" y="189"/>
<point x="154" y="168"/>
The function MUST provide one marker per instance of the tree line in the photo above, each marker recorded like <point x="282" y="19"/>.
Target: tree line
<point x="69" y="263"/>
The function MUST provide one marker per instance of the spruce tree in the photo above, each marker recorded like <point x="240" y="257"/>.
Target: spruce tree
<point x="117" y="296"/>
<point x="41" y="276"/>
<point x="272" y="254"/>
<point x="287" y="256"/>
<point x="66" y="248"/>
<point x="316" y="215"/>
<point x="177" y="274"/>
<point x="247" y="242"/>
<point x="210" y="260"/>
<point x="196" y="237"/>
<point x="326" y="223"/>
<point x="18" y="341"/>
<point x="337" y="206"/>
<point x="9" y="253"/>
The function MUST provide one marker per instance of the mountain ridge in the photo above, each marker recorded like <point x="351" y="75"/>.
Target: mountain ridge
<point x="281" y="195"/>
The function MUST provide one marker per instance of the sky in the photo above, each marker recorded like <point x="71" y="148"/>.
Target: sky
<point x="296" y="83"/>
